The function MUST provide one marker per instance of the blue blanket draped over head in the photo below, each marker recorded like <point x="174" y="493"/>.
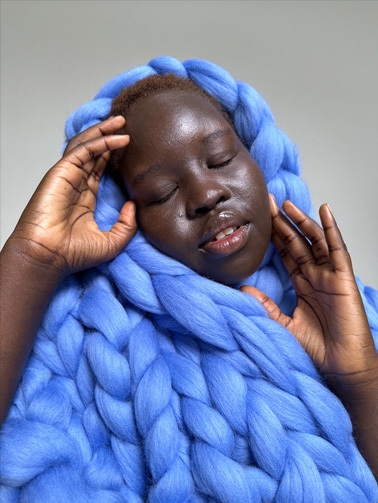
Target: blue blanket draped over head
<point x="148" y="382"/>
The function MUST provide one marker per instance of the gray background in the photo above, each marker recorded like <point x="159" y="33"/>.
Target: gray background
<point x="316" y="63"/>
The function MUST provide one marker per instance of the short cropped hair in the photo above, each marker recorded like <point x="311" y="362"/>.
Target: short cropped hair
<point x="151" y="85"/>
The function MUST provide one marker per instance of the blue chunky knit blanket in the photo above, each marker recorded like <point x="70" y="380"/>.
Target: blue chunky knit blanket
<point x="150" y="383"/>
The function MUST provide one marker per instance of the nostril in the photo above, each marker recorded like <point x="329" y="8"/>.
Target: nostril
<point x="208" y="207"/>
<point x="202" y="210"/>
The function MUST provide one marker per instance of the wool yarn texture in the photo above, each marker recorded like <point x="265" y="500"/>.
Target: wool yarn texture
<point x="150" y="383"/>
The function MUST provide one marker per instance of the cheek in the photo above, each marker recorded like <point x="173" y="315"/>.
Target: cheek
<point x="165" y="232"/>
<point x="253" y="191"/>
<point x="256" y="198"/>
<point x="152" y="224"/>
<point x="262" y="214"/>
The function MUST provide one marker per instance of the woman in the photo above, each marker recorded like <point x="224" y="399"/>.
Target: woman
<point x="150" y="381"/>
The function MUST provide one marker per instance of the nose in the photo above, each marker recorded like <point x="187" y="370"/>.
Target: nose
<point x="204" y="195"/>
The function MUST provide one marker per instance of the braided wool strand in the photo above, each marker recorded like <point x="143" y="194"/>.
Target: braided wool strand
<point x="148" y="382"/>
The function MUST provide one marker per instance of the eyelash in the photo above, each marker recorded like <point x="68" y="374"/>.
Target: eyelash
<point x="165" y="198"/>
<point x="222" y="164"/>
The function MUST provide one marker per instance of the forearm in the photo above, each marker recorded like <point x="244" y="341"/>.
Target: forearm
<point x="361" y="401"/>
<point x="25" y="289"/>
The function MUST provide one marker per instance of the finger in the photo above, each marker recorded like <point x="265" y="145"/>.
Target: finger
<point x="293" y="240"/>
<point x="104" y="128"/>
<point x="93" y="150"/>
<point x="337" y="249"/>
<point x="273" y="311"/>
<point x="288" y="261"/>
<point x="310" y="229"/>
<point x="123" y="230"/>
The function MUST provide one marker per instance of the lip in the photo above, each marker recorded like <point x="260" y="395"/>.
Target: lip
<point x="228" y="244"/>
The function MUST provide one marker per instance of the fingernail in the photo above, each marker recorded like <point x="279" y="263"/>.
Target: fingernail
<point x="115" y="117"/>
<point x="274" y="208"/>
<point x="273" y="199"/>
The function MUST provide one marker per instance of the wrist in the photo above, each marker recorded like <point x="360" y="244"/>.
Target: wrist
<point x="27" y="283"/>
<point x="34" y="259"/>
<point x="356" y="386"/>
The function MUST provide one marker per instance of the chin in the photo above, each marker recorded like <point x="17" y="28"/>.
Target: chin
<point x="231" y="278"/>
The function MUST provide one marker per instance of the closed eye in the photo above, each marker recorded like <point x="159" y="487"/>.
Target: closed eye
<point x="221" y="164"/>
<point x="165" y="198"/>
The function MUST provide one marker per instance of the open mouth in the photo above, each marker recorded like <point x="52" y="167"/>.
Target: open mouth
<point x="227" y="241"/>
<point x="225" y="232"/>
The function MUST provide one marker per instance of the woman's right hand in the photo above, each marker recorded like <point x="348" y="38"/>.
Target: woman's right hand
<point x="57" y="228"/>
<point x="56" y="236"/>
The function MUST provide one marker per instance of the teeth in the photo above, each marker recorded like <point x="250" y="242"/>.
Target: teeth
<point x="225" y="233"/>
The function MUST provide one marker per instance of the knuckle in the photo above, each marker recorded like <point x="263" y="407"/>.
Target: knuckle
<point x="302" y="260"/>
<point x="89" y="149"/>
<point x="316" y="240"/>
<point x="301" y="221"/>
<point x="283" y="252"/>
<point x="338" y="247"/>
<point x="288" y="239"/>
<point x="70" y="146"/>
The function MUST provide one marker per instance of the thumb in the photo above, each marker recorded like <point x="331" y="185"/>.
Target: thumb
<point x="124" y="229"/>
<point x="274" y="312"/>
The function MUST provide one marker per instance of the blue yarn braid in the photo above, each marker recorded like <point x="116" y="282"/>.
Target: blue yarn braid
<point x="150" y="383"/>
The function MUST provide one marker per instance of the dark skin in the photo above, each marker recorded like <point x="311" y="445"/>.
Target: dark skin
<point x="329" y="321"/>
<point x="56" y="236"/>
<point x="191" y="178"/>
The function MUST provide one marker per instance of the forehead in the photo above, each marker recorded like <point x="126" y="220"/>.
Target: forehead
<point x="172" y="111"/>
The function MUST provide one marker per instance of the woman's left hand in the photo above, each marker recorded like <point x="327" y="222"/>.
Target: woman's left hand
<point x="330" y="320"/>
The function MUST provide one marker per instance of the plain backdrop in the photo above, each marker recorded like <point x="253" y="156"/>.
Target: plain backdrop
<point x="316" y="63"/>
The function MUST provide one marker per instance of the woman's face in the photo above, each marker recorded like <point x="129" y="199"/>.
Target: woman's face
<point x="200" y="196"/>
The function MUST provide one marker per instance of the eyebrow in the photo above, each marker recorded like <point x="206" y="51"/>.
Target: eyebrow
<point x="220" y="133"/>
<point x="150" y="171"/>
